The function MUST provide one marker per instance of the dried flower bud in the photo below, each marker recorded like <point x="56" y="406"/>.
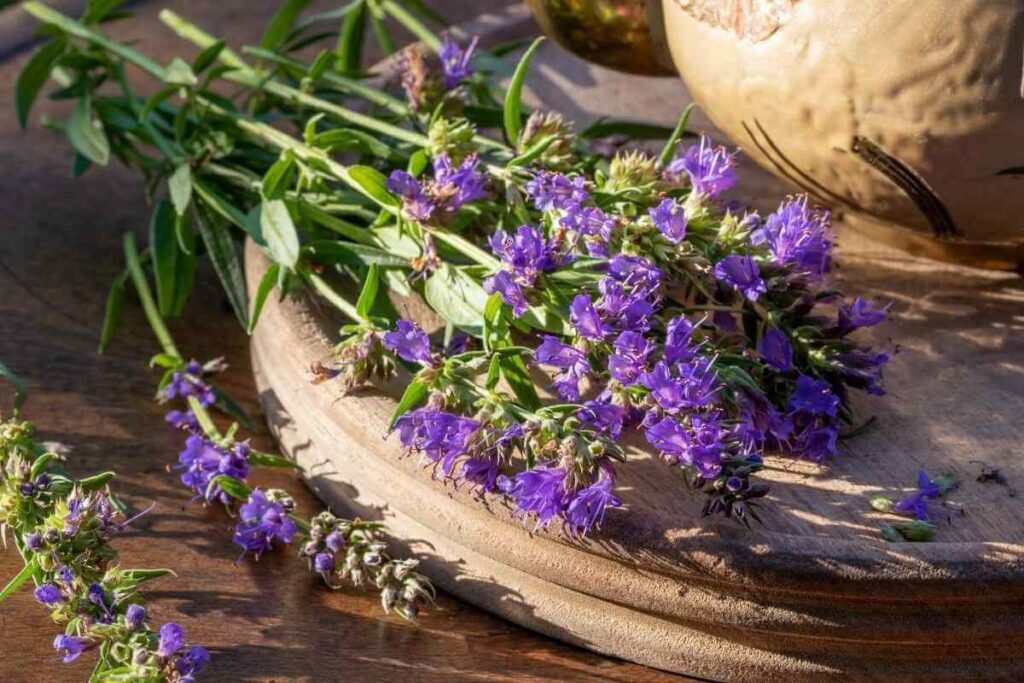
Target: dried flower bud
<point x="542" y="126"/>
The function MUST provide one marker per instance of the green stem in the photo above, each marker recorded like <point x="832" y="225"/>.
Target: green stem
<point x="411" y="22"/>
<point x="466" y="248"/>
<point x="338" y="301"/>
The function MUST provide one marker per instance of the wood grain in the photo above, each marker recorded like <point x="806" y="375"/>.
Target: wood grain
<point x="816" y="593"/>
<point x="266" y="621"/>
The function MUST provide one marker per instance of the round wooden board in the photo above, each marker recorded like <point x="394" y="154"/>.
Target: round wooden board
<point x="815" y="592"/>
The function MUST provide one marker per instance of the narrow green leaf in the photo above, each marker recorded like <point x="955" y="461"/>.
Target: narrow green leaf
<point x="369" y="292"/>
<point x="331" y="252"/>
<point x="267" y="283"/>
<point x="185" y="273"/>
<point x="493" y="372"/>
<point x="279" y="177"/>
<point x="261" y="459"/>
<point x="457" y="298"/>
<point x="279" y="231"/>
<point x="34" y="75"/>
<point x="382" y="34"/>
<point x="350" y="40"/>
<point x="281" y="23"/>
<point x="374" y="184"/>
<point x="514" y="369"/>
<point x="163" y="244"/>
<point x="226" y="404"/>
<point x="669" y="150"/>
<point x="179" y="186"/>
<point x="86" y="134"/>
<point x="98" y="10"/>
<point x="138" y="576"/>
<point x="112" y="315"/>
<point x="230" y="486"/>
<point x="349" y="139"/>
<point x="513" y="114"/>
<point x="205" y="59"/>
<point x="221" y="248"/>
<point x="414" y="394"/>
<point x="14" y="584"/>
<point x="20" y="392"/>
<point x="249" y="222"/>
<point x="39" y="466"/>
<point x="96" y="481"/>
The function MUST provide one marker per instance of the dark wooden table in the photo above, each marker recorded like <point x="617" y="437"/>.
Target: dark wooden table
<point x="263" y="621"/>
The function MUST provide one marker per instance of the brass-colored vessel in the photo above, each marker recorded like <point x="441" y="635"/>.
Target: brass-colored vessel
<point x="626" y="35"/>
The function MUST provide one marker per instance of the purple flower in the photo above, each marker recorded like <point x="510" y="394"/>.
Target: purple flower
<point x="814" y="397"/>
<point x="742" y="273"/>
<point x="417" y="205"/>
<point x="442" y="437"/>
<point x="335" y="541"/>
<point x="761" y="424"/>
<point x="861" y="313"/>
<point x="571" y="361"/>
<point x="135" y="616"/>
<point x="482" y="472"/>
<point x="629" y="360"/>
<point x="524" y="256"/>
<point x="817" y="443"/>
<point x="48" y="594"/>
<point x="590" y="221"/>
<point x="191" y="662"/>
<point x="604" y="417"/>
<point x="34" y="541"/>
<point x="323" y="563"/>
<point x="71" y="647"/>
<point x="457" y="186"/>
<point x="917" y="502"/>
<point x="172" y="637"/>
<point x="456" y="63"/>
<point x="188" y="383"/>
<point x="670" y="219"/>
<point x="699" y="445"/>
<point x="410" y="342"/>
<point x="863" y="370"/>
<point x="684" y="386"/>
<point x="98" y="597"/>
<point x="203" y="460"/>
<point x="512" y="294"/>
<point x="540" y="491"/>
<point x="183" y="419"/>
<point x="798" y="237"/>
<point x="776" y="350"/>
<point x="557" y="191"/>
<point x="636" y="273"/>
<point x="586" y="319"/>
<point x="262" y="520"/>
<point x="711" y="169"/>
<point x="678" y="333"/>
<point x="588" y="507"/>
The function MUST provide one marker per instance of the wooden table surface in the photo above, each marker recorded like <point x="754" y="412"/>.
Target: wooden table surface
<point x="266" y="621"/>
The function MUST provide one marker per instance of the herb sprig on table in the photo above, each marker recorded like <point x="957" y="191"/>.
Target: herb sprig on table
<point x="651" y="303"/>
<point x="62" y="528"/>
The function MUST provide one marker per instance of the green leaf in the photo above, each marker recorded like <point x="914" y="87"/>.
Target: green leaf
<point x="20" y="392"/>
<point x="369" y="292"/>
<point x="112" y="315"/>
<point x="546" y="319"/>
<point x="513" y="114"/>
<point x="261" y="459"/>
<point x="86" y="134"/>
<point x="414" y="394"/>
<point x="669" y="150"/>
<point x="281" y="23"/>
<point x="34" y="75"/>
<point x="374" y="184"/>
<point x="279" y="177"/>
<point x="267" y="283"/>
<point x="457" y="298"/>
<point x="96" y="481"/>
<point x="179" y="186"/>
<point x="246" y="221"/>
<point x="137" y="576"/>
<point x="349" y="139"/>
<point x="880" y="503"/>
<point x="229" y="406"/>
<point x="98" y="10"/>
<point x="184" y="276"/>
<point x="350" y="40"/>
<point x="39" y="466"/>
<point x="221" y="248"/>
<point x="514" y="369"/>
<point x="14" y="584"/>
<point x="230" y="486"/>
<point x="172" y="269"/>
<point x="279" y="232"/>
<point x="493" y="373"/>
<point x="331" y="252"/>
<point x="180" y="73"/>
<point x="207" y="57"/>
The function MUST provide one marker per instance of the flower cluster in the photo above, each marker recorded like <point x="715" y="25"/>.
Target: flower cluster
<point x="62" y="528"/>
<point x="437" y="201"/>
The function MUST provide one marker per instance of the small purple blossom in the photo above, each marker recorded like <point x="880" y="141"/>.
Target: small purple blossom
<point x="34" y="541"/>
<point x="636" y="273"/>
<point x="323" y="563"/>
<point x="188" y="383"/>
<point x="589" y="505"/>
<point x="678" y="334"/>
<point x="203" y="460"/>
<point x="482" y="472"/>
<point x="417" y="205"/>
<point x="712" y="170"/>
<point x="917" y="502"/>
<point x="184" y="420"/>
<point x="135" y="616"/>
<point x="503" y="282"/>
<point x="586" y="319"/>
<point x="699" y="445"/>
<point x="861" y="313"/>
<point x="683" y="386"/>
<point x="540" y="491"/>
<point x="440" y="436"/>
<point x="410" y="342"/>
<point x="606" y="418"/>
<point x="814" y="397"/>
<point x="798" y="236"/>
<point x="556" y="191"/>
<point x="571" y="361"/>
<point x="456" y="186"/>
<point x="185" y="664"/>
<point x="670" y="218"/>
<point x="817" y="443"/>
<point x="261" y="521"/>
<point x="628" y="362"/>
<point x="48" y="594"/>
<point x="456" y="62"/>
<point x="776" y="350"/>
<point x="71" y="647"/>
<point x="524" y="256"/>
<point x="743" y="273"/>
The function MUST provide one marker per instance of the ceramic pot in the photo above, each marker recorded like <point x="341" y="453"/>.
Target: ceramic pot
<point x="907" y="115"/>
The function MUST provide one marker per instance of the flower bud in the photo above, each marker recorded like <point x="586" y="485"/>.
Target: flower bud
<point x="134" y="616"/>
<point x="324" y="563"/>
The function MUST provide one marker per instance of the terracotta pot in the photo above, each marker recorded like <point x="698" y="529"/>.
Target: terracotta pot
<point x="902" y="114"/>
